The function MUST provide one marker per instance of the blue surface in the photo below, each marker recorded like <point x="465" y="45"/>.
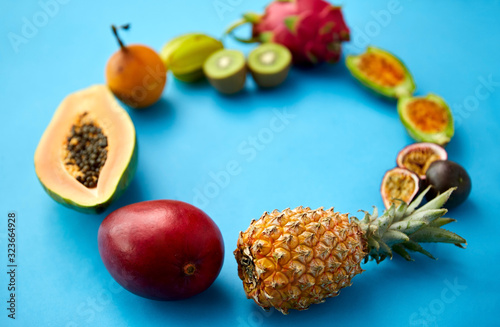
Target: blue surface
<point x="333" y="151"/>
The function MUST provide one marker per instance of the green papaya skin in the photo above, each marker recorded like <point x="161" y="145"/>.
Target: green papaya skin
<point x="441" y="137"/>
<point x="125" y="181"/>
<point x="405" y="88"/>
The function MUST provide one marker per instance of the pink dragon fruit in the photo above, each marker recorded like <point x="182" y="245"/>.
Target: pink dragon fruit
<point x="311" y="29"/>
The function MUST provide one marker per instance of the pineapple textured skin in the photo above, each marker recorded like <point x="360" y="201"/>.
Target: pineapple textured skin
<point x="295" y="258"/>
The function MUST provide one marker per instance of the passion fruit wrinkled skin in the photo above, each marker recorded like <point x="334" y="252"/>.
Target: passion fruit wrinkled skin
<point x="445" y="174"/>
<point x="418" y="157"/>
<point x="399" y="184"/>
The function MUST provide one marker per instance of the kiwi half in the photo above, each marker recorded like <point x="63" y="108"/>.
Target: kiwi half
<point x="269" y="64"/>
<point x="226" y="70"/>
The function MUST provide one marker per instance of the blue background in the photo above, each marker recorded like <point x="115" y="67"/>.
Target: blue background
<point x="332" y="152"/>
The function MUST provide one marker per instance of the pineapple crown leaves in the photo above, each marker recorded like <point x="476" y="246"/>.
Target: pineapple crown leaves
<point x="401" y="228"/>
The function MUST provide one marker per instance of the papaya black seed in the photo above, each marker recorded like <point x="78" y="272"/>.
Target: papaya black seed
<point x="86" y="146"/>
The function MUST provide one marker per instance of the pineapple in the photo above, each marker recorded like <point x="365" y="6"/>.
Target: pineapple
<point x="294" y="258"/>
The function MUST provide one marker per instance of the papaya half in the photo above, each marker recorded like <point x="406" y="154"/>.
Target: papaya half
<point x="382" y="72"/>
<point x="87" y="156"/>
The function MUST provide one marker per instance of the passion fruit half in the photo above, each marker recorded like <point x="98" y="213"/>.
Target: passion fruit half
<point x="427" y="118"/>
<point x="419" y="156"/>
<point x="399" y="184"/>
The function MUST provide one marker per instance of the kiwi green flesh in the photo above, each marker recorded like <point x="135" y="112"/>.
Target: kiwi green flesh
<point x="226" y="70"/>
<point x="269" y="64"/>
<point x="231" y="84"/>
<point x="269" y="58"/>
<point x="224" y="63"/>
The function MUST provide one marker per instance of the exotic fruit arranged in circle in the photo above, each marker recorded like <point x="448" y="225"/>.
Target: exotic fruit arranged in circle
<point x="294" y="258"/>
<point x="381" y="72"/>
<point x="135" y="73"/>
<point x="162" y="250"/>
<point x="87" y="156"/>
<point x="427" y="118"/>
<point x="311" y="29"/>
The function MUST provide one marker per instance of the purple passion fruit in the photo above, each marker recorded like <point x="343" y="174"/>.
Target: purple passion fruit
<point x="445" y="174"/>
<point x="419" y="156"/>
<point x="135" y="74"/>
<point x="382" y="72"/>
<point x="161" y="250"/>
<point x="399" y="184"/>
<point x="427" y="119"/>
